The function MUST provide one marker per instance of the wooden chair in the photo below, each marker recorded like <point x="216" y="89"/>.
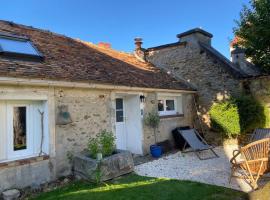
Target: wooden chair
<point x="254" y="161"/>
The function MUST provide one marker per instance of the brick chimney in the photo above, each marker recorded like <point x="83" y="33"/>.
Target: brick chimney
<point x="196" y="35"/>
<point x="105" y="45"/>
<point x="139" y="52"/>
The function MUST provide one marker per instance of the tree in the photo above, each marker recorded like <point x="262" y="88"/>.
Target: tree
<point x="253" y="31"/>
<point x="152" y="120"/>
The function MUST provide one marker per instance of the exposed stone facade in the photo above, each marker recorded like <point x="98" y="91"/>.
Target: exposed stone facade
<point x="166" y="124"/>
<point x="90" y="113"/>
<point x="260" y="88"/>
<point x="188" y="61"/>
<point x="91" y="110"/>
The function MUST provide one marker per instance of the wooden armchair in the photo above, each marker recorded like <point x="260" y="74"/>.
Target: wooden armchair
<point x="254" y="162"/>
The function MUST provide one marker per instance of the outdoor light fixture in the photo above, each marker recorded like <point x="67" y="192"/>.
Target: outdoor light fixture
<point x="142" y="98"/>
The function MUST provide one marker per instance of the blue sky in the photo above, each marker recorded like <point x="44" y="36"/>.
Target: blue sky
<point x="120" y="21"/>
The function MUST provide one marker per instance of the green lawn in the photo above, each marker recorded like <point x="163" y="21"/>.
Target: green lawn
<point x="137" y="187"/>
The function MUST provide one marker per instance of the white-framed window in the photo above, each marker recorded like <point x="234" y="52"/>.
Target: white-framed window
<point x="169" y="105"/>
<point x="20" y="133"/>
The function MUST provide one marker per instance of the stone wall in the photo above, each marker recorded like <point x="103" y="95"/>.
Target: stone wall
<point x="205" y="73"/>
<point x="90" y="112"/>
<point x="21" y="176"/>
<point x="166" y="124"/>
<point x="260" y="89"/>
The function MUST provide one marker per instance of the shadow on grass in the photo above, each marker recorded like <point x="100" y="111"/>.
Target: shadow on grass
<point x="136" y="187"/>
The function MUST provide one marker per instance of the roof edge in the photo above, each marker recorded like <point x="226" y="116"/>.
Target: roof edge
<point x="167" y="45"/>
<point x="195" y="30"/>
<point x="89" y="85"/>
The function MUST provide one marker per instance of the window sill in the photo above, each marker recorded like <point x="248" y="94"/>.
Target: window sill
<point x="171" y="116"/>
<point x="21" y="162"/>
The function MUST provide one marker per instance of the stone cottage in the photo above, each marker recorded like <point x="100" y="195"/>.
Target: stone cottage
<point x="196" y="61"/>
<point x="56" y="92"/>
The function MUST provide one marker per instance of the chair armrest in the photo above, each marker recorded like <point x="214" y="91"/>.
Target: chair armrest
<point x="257" y="160"/>
<point x="235" y="154"/>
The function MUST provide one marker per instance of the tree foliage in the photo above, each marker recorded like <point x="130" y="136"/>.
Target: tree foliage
<point x="253" y="31"/>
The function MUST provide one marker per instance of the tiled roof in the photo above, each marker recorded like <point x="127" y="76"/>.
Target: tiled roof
<point x="68" y="59"/>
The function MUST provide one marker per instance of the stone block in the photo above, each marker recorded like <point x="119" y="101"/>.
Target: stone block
<point x="13" y="194"/>
<point x="110" y="167"/>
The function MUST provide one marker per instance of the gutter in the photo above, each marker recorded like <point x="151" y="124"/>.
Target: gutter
<point x="68" y="84"/>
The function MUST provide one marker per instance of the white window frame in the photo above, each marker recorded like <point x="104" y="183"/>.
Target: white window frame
<point x="168" y="112"/>
<point x="178" y="103"/>
<point x="33" y="130"/>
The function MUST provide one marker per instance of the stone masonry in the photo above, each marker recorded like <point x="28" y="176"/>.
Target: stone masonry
<point x="166" y="124"/>
<point x="186" y="60"/>
<point x="90" y="113"/>
<point x="90" y="110"/>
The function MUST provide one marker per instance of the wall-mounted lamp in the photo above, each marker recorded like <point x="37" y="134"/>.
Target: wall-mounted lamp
<point x="142" y="98"/>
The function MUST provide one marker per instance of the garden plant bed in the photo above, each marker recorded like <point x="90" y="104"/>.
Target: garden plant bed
<point x="138" y="187"/>
<point x="110" y="167"/>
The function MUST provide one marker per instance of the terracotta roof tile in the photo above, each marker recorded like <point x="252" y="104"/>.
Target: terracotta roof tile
<point x="74" y="60"/>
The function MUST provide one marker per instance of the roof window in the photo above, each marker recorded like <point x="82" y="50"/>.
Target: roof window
<point x="18" y="47"/>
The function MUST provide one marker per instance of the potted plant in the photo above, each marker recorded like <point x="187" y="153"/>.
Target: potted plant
<point x="152" y="120"/>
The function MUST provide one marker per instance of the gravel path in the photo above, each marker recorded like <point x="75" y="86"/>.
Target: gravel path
<point x="188" y="167"/>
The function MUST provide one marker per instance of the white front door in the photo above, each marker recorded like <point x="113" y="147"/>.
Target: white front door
<point x="121" y="137"/>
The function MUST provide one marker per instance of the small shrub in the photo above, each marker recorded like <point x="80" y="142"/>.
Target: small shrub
<point x="103" y="143"/>
<point x="238" y="115"/>
<point x="251" y="113"/>
<point x="107" y="142"/>
<point x="225" y="118"/>
<point x="93" y="147"/>
<point x="152" y="120"/>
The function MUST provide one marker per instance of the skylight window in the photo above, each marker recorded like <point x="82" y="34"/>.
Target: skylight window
<point x="18" y="47"/>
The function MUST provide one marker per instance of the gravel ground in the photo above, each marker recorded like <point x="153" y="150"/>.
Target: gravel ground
<point x="187" y="166"/>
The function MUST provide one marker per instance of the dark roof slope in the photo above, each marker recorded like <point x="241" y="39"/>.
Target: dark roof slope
<point x="227" y="63"/>
<point x="73" y="60"/>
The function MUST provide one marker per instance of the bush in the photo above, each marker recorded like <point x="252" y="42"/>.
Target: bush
<point x="251" y="112"/>
<point x="238" y="116"/>
<point x="224" y="118"/>
<point x="107" y="142"/>
<point x="103" y="143"/>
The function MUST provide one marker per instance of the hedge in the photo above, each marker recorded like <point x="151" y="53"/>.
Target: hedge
<point x="238" y="115"/>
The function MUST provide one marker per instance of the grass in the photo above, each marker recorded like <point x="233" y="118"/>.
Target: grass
<point x="135" y="187"/>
